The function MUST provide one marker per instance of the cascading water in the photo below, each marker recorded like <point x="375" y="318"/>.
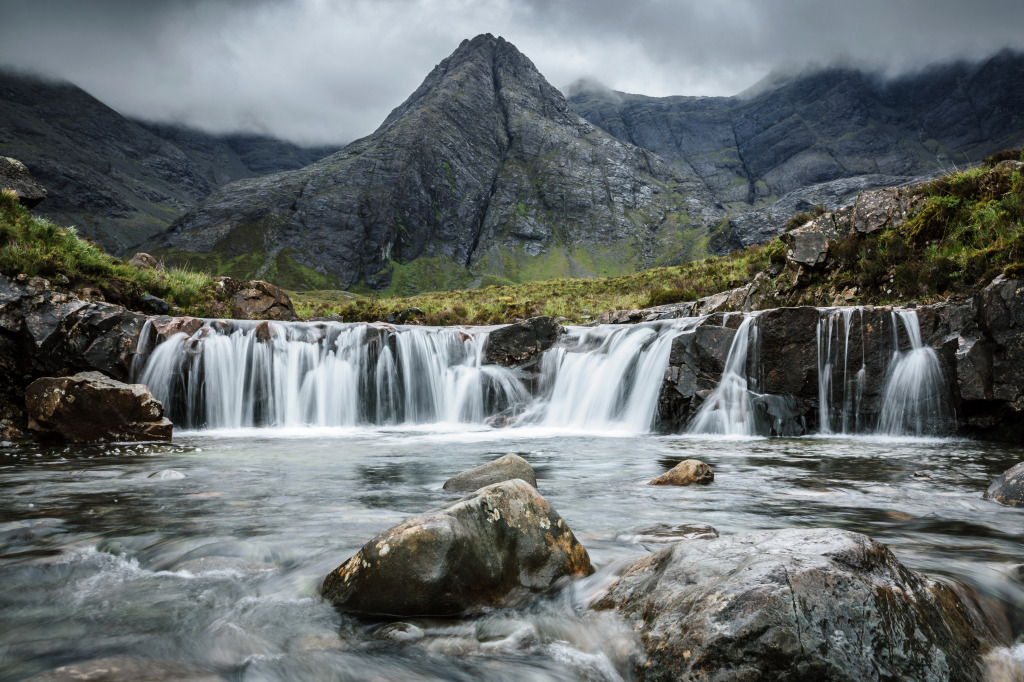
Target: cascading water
<point x="243" y="374"/>
<point x="729" y="410"/>
<point x="233" y="374"/>
<point x="916" y="400"/>
<point x="606" y="377"/>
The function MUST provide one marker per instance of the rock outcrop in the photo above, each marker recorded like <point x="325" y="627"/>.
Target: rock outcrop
<point x="687" y="472"/>
<point x="483" y="171"/>
<point x="250" y="300"/>
<point x="16" y="177"/>
<point x="472" y="553"/>
<point x="49" y="333"/>
<point x="92" y="408"/>
<point x="798" y="604"/>
<point x="517" y="344"/>
<point x="504" y="468"/>
<point x="1008" y="489"/>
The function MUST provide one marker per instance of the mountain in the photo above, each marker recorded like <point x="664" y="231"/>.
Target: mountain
<point x="822" y="135"/>
<point x="484" y="174"/>
<point x="116" y="180"/>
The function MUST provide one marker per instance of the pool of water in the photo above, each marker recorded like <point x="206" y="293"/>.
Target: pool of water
<point x="217" y="566"/>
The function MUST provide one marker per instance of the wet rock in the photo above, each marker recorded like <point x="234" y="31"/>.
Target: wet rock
<point x="797" y="604"/>
<point x="696" y="363"/>
<point x="143" y="261"/>
<point x="127" y="670"/>
<point x="15" y="176"/>
<point x="167" y="475"/>
<point x="1008" y="489"/>
<point x="664" y="533"/>
<point x="154" y="305"/>
<point x="401" y="632"/>
<point x="504" y="468"/>
<point x="516" y="344"/>
<point x="469" y="554"/>
<point x="90" y="407"/>
<point x="251" y="300"/>
<point x="687" y="472"/>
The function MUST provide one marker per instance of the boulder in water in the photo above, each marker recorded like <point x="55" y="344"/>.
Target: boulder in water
<point x="518" y="343"/>
<point x="687" y="472"/>
<point x="798" y="604"/>
<point x="504" y="468"/>
<point x="1008" y="489"/>
<point x="469" y="554"/>
<point x="92" y="408"/>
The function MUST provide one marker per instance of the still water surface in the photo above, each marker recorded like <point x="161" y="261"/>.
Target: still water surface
<point x="219" y="570"/>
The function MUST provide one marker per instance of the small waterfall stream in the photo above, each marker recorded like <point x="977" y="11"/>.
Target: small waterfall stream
<point x="729" y="410"/>
<point x="916" y="398"/>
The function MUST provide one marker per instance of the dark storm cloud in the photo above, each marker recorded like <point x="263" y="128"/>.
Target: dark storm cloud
<point x="330" y="70"/>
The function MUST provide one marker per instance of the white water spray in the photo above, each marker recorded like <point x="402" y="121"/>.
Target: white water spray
<point x="916" y="401"/>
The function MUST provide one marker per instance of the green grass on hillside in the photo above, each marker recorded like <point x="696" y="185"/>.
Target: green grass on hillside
<point x="575" y="299"/>
<point x="35" y="246"/>
<point x="966" y="230"/>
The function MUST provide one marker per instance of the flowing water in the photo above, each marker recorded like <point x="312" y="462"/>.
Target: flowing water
<point x="207" y="552"/>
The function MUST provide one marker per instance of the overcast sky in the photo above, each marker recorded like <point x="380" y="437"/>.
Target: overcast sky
<point x="330" y="70"/>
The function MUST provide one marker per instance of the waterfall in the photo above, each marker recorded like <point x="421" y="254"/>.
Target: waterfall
<point x="916" y="400"/>
<point x="842" y="415"/>
<point x="729" y="410"/>
<point x="234" y="374"/>
<point x="606" y="377"/>
<point x="238" y="374"/>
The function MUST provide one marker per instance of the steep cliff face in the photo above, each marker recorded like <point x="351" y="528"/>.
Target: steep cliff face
<point x="117" y="180"/>
<point x="483" y="174"/>
<point x="820" y="137"/>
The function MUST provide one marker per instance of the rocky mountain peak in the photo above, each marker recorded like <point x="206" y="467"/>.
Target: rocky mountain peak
<point x="483" y="173"/>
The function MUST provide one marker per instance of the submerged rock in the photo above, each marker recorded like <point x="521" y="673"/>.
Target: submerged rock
<point x="515" y="344"/>
<point x="504" y="468"/>
<point x="92" y="408"/>
<point x="687" y="472"/>
<point x="127" y="670"/>
<point x="471" y="553"/>
<point x="799" y="605"/>
<point x="1008" y="489"/>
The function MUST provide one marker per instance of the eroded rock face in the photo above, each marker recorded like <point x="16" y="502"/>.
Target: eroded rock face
<point x="696" y="363"/>
<point x="90" y="408"/>
<point x="252" y="300"/>
<point x="14" y="175"/>
<point x="504" y="468"/>
<point x="518" y="343"/>
<point x="801" y="605"/>
<point x="687" y="472"/>
<point x="1008" y="489"/>
<point x="472" y="553"/>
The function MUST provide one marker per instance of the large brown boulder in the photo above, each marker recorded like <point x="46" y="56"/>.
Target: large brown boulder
<point x="92" y="408"/>
<point x="471" y="553"/>
<point x="15" y="176"/>
<point x="798" y="604"/>
<point x="251" y="300"/>
<point x="516" y="344"/>
<point x="1008" y="489"/>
